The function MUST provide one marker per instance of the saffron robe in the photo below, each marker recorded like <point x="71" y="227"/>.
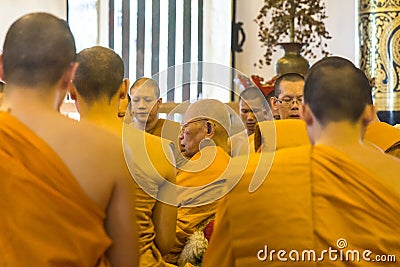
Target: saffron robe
<point x="198" y="202"/>
<point x="385" y="136"/>
<point x="152" y="161"/>
<point x="169" y="130"/>
<point x="278" y="134"/>
<point x="314" y="198"/>
<point x="47" y="218"/>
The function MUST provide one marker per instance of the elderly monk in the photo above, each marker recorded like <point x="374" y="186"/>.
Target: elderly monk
<point x="330" y="203"/>
<point x="204" y="141"/>
<point x="63" y="202"/>
<point x="98" y="87"/>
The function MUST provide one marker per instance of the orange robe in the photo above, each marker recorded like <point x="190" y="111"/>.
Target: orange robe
<point x="151" y="163"/>
<point x="242" y="144"/>
<point x="385" y="136"/>
<point x="169" y="130"/>
<point x="278" y="134"/>
<point x="47" y="219"/>
<point x="314" y="198"/>
<point x="198" y="206"/>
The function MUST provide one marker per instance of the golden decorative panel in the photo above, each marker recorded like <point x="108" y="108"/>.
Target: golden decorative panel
<point x="379" y="35"/>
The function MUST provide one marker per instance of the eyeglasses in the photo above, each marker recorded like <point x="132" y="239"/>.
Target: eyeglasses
<point x="288" y="100"/>
<point x="185" y="125"/>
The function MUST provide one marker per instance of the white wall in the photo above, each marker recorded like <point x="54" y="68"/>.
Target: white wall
<point x="341" y="24"/>
<point x="11" y="10"/>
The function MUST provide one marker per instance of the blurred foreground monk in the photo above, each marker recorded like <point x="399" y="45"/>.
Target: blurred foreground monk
<point x="278" y="134"/>
<point x="63" y="202"/>
<point x="320" y="204"/>
<point x="98" y="88"/>
<point x="385" y="136"/>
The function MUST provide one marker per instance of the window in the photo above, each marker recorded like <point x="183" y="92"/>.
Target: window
<point x="152" y="36"/>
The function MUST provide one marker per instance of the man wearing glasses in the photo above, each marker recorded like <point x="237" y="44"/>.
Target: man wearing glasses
<point x="288" y="95"/>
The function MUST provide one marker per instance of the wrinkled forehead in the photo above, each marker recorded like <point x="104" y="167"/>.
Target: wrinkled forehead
<point x="291" y="88"/>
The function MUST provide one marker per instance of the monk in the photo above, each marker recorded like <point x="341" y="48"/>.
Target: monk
<point x="333" y="202"/>
<point x="204" y="140"/>
<point x="253" y="108"/>
<point x="145" y="104"/>
<point x="98" y="88"/>
<point x="63" y="202"/>
<point x="288" y="90"/>
<point x="278" y="134"/>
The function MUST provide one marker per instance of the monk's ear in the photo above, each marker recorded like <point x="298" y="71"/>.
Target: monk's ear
<point x="123" y="88"/>
<point x="72" y="91"/>
<point x="157" y="104"/>
<point x="274" y="103"/>
<point x="369" y="114"/>
<point x="210" y="129"/>
<point x="306" y="114"/>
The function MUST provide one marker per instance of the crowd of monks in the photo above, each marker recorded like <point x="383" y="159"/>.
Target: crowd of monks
<point x="318" y="186"/>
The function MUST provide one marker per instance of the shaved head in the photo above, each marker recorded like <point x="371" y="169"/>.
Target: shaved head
<point x="100" y="73"/>
<point x="289" y="77"/>
<point x="147" y="83"/>
<point x="38" y="48"/>
<point x="336" y="90"/>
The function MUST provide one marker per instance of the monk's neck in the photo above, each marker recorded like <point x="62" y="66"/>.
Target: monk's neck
<point x="104" y="115"/>
<point x="148" y="127"/>
<point x="31" y="102"/>
<point x="340" y="135"/>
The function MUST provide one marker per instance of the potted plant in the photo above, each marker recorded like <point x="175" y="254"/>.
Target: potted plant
<point x="299" y="22"/>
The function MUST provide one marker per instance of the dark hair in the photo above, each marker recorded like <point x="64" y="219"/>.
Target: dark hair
<point x="100" y="73"/>
<point x="38" y="48"/>
<point x="336" y="90"/>
<point x="148" y="82"/>
<point x="289" y="77"/>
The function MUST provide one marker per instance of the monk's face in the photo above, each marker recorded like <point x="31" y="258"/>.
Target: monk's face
<point x="190" y="136"/>
<point x="144" y="104"/>
<point x="289" y="101"/>
<point x="251" y="111"/>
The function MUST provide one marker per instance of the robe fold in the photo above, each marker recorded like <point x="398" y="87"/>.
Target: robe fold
<point x="47" y="218"/>
<point x="198" y="206"/>
<point x="152" y="161"/>
<point x="314" y="198"/>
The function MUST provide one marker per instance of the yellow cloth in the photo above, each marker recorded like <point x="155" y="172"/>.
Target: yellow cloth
<point x="169" y="130"/>
<point x="47" y="219"/>
<point x="312" y="197"/>
<point x="242" y="144"/>
<point x="278" y="134"/>
<point x="151" y="164"/>
<point x="384" y="136"/>
<point x="190" y="218"/>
